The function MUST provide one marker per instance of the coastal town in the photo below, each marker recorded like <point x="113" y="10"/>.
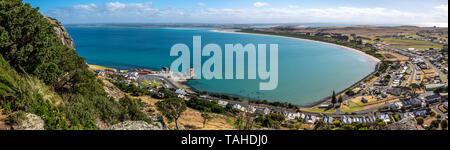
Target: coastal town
<point x="407" y="91"/>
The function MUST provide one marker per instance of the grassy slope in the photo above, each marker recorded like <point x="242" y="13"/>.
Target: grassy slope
<point x="31" y="94"/>
<point x="39" y="75"/>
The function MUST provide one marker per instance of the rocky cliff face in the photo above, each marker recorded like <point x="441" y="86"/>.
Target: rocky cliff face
<point x="61" y="32"/>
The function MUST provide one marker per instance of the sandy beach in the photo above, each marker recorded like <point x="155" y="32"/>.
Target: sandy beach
<point x="348" y="48"/>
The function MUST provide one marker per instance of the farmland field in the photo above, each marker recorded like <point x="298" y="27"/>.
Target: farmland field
<point x="404" y="44"/>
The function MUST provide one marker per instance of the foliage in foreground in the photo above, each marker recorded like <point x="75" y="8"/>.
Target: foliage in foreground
<point x="39" y="75"/>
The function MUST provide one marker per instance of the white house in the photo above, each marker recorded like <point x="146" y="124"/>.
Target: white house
<point x="180" y="92"/>
<point x="222" y="103"/>
<point x="384" y="117"/>
<point x="250" y="109"/>
<point x="262" y="111"/>
<point x="237" y="106"/>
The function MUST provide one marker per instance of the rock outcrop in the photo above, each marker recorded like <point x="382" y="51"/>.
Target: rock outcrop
<point x="134" y="125"/>
<point x="31" y="122"/>
<point x="112" y="90"/>
<point x="62" y="33"/>
<point x="158" y="120"/>
<point x="405" y="124"/>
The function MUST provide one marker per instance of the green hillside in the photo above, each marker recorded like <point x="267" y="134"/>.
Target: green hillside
<point x="39" y="75"/>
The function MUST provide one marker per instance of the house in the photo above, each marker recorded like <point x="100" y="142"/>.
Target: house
<point x="302" y="116"/>
<point x="396" y="106"/>
<point x="292" y="116"/>
<point x="421" y="113"/>
<point x="444" y="95"/>
<point x="433" y="98"/>
<point x="445" y="105"/>
<point x="412" y="103"/>
<point x="384" y="117"/>
<point x="394" y="91"/>
<point x="326" y="106"/>
<point x="262" y="111"/>
<point x="328" y="120"/>
<point x="384" y="95"/>
<point x="250" y="109"/>
<point x="431" y="87"/>
<point x="310" y="119"/>
<point x="131" y="74"/>
<point x="364" y="100"/>
<point x="143" y="72"/>
<point x="222" y="103"/>
<point x="180" y="91"/>
<point x="370" y="119"/>
<point x="109" y="72"/>
<point x="406" y="115"/>
<point x="239" y="107"/>
<point x="346" y="120"/>
<point x="101" y="73"/>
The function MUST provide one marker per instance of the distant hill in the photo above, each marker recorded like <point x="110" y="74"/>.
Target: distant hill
<point x="41" y="73"/>
<point x="368" y="31"/>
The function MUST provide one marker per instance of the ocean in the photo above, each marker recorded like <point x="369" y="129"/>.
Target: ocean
<point x="308" y="71"/>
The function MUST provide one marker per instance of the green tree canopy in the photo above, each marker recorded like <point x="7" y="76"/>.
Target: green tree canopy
<point x="172" y="108"/>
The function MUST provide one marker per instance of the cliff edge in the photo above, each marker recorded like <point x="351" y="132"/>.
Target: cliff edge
<point x="62" y="33"/>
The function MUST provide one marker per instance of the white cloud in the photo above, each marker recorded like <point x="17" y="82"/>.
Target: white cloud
<point x="442" y="7"/>
<point x="201" y="4"/>
<point x="145" y="12"/>
<point x="112" y="6"/>
<point x="90" y="7"/>
<point x="260" y="4"/>
<point x="293" y="6"/>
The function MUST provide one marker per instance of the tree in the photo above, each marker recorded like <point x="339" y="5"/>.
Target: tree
<point x="333" y="98"/>
<point x="172" y="109"/>
<point x="435" y="123"/>
<point x="337" y="123"/>
<point x="30" y="49"/>
<point x="206" y="117"/>
<point x="420" y="120"/>
<point x="444" y="124"/>
<point x="414" y="87"/>
<point x="340" y="100"/>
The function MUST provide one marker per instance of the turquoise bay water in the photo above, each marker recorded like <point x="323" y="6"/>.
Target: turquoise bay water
<point x="308" y="71"/>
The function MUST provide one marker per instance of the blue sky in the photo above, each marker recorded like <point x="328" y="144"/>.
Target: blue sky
<point x="408" y="12"/>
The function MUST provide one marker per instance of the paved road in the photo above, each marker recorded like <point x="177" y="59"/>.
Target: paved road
<point x="413" y="74"/>
<point x="442" y="75"/>
<point x="435" y="107"/>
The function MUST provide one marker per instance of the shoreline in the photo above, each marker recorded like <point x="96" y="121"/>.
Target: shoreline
<point x="347" y="48"/>
<point x="319" y="102"/>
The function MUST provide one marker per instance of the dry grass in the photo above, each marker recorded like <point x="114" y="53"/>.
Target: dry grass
<point x="355" y="103"/>
<point x="394" y="56"/>
<point x="404" y="44"/>
<point x="191" y="119"/>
